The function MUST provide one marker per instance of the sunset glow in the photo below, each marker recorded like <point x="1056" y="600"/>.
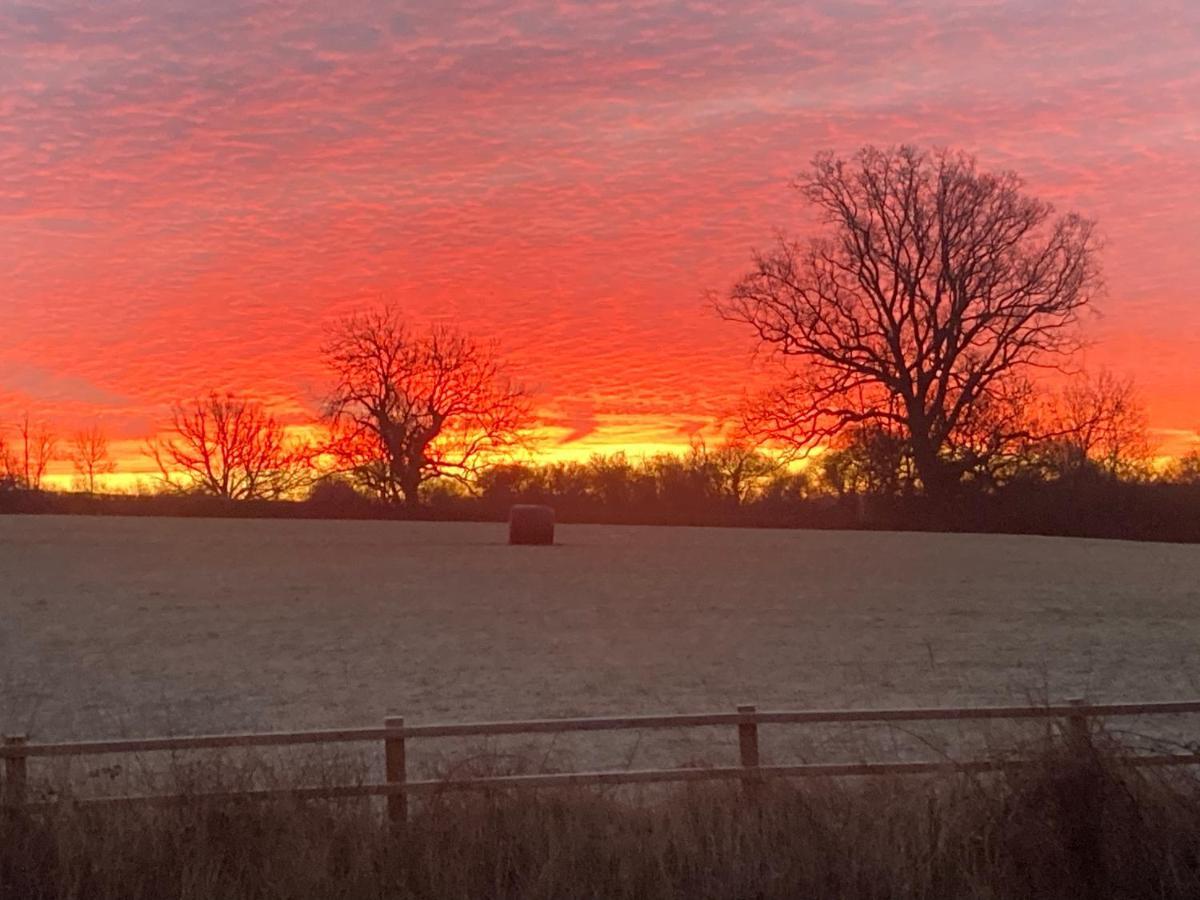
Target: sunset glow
<point x="191" y="192"/>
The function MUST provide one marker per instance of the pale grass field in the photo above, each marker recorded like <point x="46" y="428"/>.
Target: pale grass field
<point x="115" y="627"/>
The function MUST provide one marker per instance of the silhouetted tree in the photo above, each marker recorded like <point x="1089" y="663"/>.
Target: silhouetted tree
<point x="506" y="483"/>
<point x="866" y="459"/>
<point x="335" y="495"/>
<point x="613" y="480"/>
<point x="408" y="407"/>
<point x="10" y="478"/>
<point x="566" y="480"/>
<point x="935" y="284"/>
<point x="36" y="449"/>
<point x="736" y="469"/>
<point x="1184" y="470"/>
<point x="787" y="489"/>
<point x="1098" y="425"/>
<point x="89" y="455"/>
<point x="681" y="485"/>
<point x="229" y="447"/>
<point x="997" y="438"/>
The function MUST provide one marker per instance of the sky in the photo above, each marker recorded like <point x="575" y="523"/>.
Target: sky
<point x="190" y="192"/>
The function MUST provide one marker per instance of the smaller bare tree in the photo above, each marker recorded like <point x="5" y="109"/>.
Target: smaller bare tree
<point x="737" y="468"/>
<point x="10" y="477"/>
<point x="870" y="459"/>
<point x="89" y="455"/>
<point x="231" y="447"/>
<point x="1098" y="424"/>
<point x="1185" y="469"/>
<point x="38" y="447"/>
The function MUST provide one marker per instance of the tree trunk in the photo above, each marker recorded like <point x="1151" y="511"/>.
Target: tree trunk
<point x="410" y="486"/>
<point x="938" y="480"/>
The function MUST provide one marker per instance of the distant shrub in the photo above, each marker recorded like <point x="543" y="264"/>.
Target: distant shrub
<point x="331" y="495"/>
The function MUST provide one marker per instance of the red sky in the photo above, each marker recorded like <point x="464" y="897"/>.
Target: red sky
<point x="190" y="191"/>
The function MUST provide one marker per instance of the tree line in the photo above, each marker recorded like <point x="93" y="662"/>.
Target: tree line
<point x="908" y="337"/>
<point x="25" y="459"/>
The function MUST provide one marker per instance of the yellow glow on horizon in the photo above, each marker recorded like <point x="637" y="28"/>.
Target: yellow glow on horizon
<point x="136" y="471"/>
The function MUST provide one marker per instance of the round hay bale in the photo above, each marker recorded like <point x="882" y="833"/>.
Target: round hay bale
<point x="530" y="524"/>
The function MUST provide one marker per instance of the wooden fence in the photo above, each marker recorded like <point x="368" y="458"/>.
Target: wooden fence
<point x="395" y="735"/>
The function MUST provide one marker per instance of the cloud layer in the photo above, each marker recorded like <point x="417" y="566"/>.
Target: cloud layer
<point x="190" y="191"/>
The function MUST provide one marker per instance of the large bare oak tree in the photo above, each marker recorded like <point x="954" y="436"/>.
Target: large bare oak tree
<point x="933" y="290"/>
<point x="410" y="406"/>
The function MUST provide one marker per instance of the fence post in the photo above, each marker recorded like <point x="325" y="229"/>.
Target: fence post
<point x="1085" y="809"/>
<point x="1077" y="727"/>
<point x="395" y="772"/>
<point x="14" y="772"/>
<point x="748" y="750"/>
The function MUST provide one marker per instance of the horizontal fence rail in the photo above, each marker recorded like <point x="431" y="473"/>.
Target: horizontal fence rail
<point x="16" y="750"/>
<point x="605" y="723"/>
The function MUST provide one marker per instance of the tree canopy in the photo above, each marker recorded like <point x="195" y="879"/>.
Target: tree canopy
<point x="410" y="406"/>
<point x="934" y="288"/>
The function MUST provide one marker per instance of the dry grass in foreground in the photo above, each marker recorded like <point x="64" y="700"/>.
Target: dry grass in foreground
<point x="1068" y="826"/>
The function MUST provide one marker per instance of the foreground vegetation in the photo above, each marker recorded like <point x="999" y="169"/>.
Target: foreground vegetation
<point x="1067" y="826"/>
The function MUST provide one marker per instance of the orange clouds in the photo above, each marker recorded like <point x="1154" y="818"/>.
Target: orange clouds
<point x="189" y="191"/>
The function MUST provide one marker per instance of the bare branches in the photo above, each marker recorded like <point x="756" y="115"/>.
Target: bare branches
<point x="736" y="469"/>
<point x="934" y="284"/>
<point x="1185" y="469"/>
<point x="26" y="462"/>
<point x="1099" y="422"/>
<point x="89" y="455"/>
<point x="866" y="459"/>
<point x="408" y="408"/>
<point x="10" y="469"/>
<point x="229" y="447"/>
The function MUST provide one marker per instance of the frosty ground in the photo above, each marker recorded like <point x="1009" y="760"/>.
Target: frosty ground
<point x="126" y="626"/>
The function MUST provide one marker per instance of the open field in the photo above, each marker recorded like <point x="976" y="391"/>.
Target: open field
<point x="116" y="626"/>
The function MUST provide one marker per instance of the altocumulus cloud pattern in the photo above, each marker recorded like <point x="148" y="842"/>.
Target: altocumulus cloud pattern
<point x="188" y="191"/>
